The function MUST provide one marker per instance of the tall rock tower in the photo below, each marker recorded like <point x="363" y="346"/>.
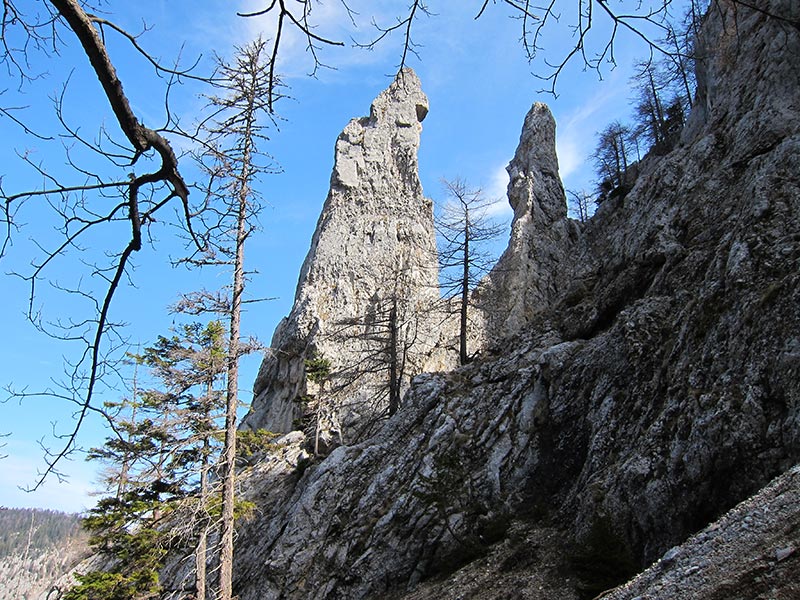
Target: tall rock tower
<point x="536" y="265"/>
<point x="366" y="288"/>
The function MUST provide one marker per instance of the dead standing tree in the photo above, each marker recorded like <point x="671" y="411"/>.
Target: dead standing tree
<point x="611" y="157"/>
<point x="579" y="203"/>
<point x="235" y="129"/>
<point x="464" y="230"/>
<point x="381" y="350"/>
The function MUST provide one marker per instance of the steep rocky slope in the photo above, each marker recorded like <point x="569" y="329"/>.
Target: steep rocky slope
<point x="658" y="389"/>
<point x="751" y="553"/>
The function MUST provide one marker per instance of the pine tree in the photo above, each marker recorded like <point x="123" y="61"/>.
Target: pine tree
<point x="166" y="436"/>
<point x="232" y="161"/>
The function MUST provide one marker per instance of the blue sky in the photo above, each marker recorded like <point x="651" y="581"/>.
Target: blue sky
<point x="479" y="85"/>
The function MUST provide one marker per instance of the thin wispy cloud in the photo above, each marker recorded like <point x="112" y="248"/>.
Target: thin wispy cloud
<point x="496" y="190"/>
<point x="20" y="471"/>
<point x="575" y="138"/>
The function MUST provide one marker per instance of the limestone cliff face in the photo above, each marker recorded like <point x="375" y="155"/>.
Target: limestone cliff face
<point x="643" y="394"/>
<point x="648" y="391"/>
<point x="371" y="273"/>
<point x="537" y="262"/>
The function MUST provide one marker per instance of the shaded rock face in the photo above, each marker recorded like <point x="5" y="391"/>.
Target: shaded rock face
<point x="752" y="552"/>
<point x="648" y="391"/>
<point x="536" y="264"/>
<point x="371" y="273"/>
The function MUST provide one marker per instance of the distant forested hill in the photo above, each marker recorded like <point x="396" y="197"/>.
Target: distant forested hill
<point x="34" y="529"/>
<point x="37" y="547"/>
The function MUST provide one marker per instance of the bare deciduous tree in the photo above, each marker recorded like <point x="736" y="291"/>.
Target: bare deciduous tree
<point x="382" y="354"/>
<point x="465" y="230"/>
<point x="142" y="180"/>
<point x="611" y="158"/>
<point x="580" y="204"/>
<point x="663" y="99"/>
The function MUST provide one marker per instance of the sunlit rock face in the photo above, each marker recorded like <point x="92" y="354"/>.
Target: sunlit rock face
<point x="538" y="261"/>
<point x="371" y="273"/>
<point x="645" y="391"/>
<point x="649" y="384"/>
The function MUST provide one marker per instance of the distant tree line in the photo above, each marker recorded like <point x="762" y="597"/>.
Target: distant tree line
<point x="31" y="529"/>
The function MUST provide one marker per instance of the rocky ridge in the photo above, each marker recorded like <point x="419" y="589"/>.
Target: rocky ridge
<point x="643" y="390"/>
<point x="648" y="392"/>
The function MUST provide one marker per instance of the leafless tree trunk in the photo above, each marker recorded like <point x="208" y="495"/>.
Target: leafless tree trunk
<point x="579" y="204"/>
<point x="392" y="351"/>
<point x="232" y="392"/>
<point x="122" y="481"/>
<point x="247" y="84"/>
<point x="463" y="356"/>
<point x="464" y="228"/>
<point x="380" y="358"/>
<point x="201" y="553"/>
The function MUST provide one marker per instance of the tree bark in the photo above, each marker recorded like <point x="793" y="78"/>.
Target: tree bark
<point x="462" y="334"/>
<point x="201" y="554"/>
<point x="394" y="380"/>
<point x="232" y="395"/>
<point x="229" y="451"/>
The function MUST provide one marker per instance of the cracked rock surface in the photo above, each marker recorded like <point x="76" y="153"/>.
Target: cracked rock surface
<point x="654" y="387"/>
<point x="374" y="243"/>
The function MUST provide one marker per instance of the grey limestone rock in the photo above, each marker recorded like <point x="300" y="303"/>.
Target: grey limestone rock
<point x="650" y="389"/>
<point x="374" y="246"/>
<point x="730" y="559"/>
<point x="537" y="262"/>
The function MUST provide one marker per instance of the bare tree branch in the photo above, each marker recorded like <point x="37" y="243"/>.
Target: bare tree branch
<point x="137" y="207"/>
<point x="302" y="23"/>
